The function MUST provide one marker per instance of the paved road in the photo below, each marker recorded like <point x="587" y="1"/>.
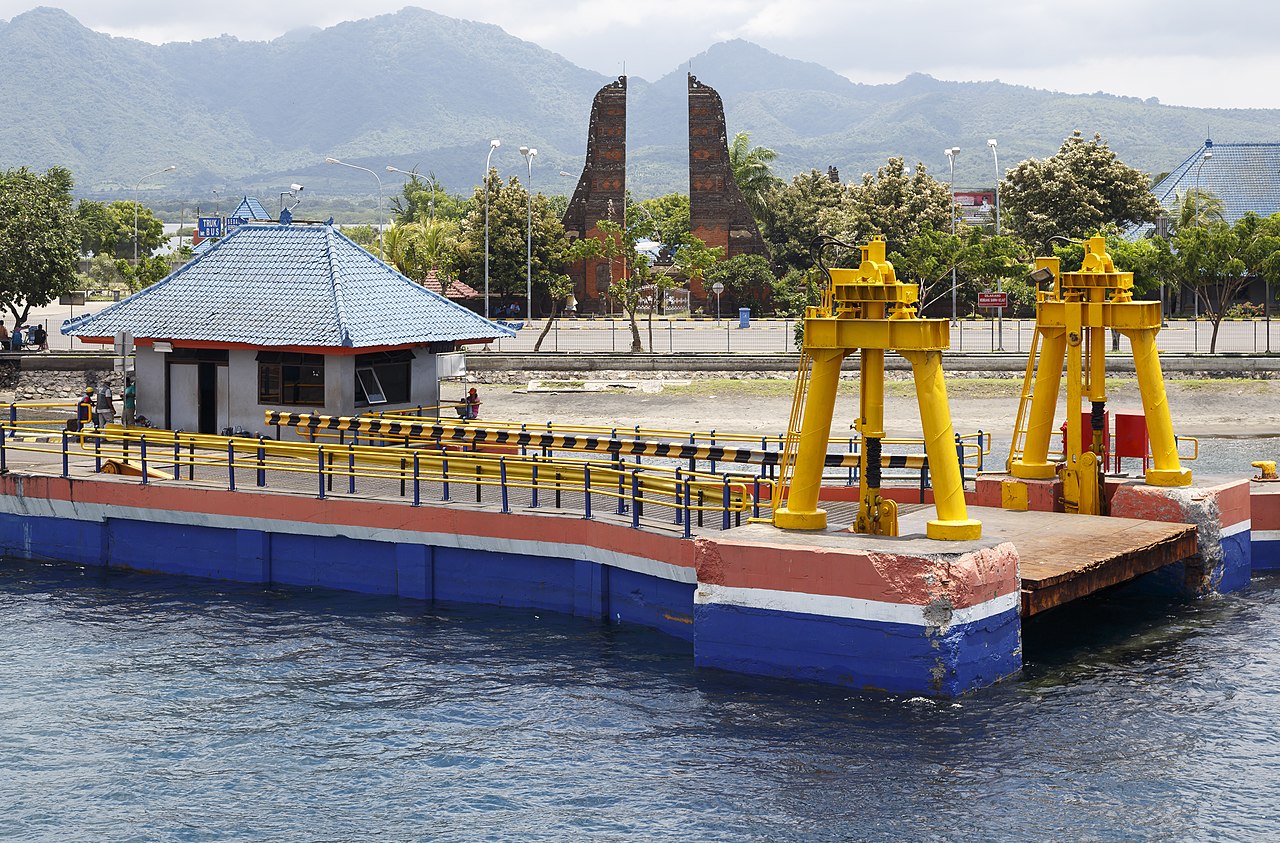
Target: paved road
<point x="764" y="335"/>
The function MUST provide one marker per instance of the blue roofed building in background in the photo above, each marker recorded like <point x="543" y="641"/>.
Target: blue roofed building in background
<point x="251" y="210"/>
<point x="1244" y="176"/>
<point x="294" y="317"/>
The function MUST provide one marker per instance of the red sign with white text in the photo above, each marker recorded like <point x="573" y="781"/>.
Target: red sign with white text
<point x="993" y="299"/>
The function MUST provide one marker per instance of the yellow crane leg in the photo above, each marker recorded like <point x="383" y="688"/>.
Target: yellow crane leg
<point x="876" y="516"/>
<point x="801" y="511"/>
<point x="953" y="522"/>
<point x="1168" y="470"/>
<point x="1035" y="464"/>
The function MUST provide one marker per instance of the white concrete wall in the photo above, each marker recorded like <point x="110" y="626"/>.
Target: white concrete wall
<point x="238" y="389"/>
<point x="149" y="374"/>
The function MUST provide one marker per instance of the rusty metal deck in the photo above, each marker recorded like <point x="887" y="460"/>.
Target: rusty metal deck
<point x="1065" y="557"/>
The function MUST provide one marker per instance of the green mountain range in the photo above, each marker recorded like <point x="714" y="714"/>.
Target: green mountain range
<point x="418" y="89"/>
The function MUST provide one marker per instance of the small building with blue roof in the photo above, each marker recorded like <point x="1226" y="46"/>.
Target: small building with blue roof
<point x="1244" y="176"/>
<point x="291" y="316"/>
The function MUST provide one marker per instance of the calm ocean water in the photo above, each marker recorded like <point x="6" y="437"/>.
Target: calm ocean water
<point x="144" y="708"/>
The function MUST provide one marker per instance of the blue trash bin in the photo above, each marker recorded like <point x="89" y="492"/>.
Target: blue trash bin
<point x="744" y="317"/>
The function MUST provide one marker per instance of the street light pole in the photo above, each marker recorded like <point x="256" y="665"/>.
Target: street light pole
<point x="379" y="180"/>
<point x="433" y="184"/>
<point x="1195" y="297"/>
<point x="136" y="188"/>
<point x="951" y="152"/>
<point x="493" y="144"/>
<point x="995" y="157"/>
<point x="529" y="154"/>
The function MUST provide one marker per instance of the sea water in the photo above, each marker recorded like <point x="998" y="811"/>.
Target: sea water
<point x="147" y="708"/>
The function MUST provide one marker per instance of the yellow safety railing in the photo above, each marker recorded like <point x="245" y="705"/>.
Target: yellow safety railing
<point x="152" y="454"/>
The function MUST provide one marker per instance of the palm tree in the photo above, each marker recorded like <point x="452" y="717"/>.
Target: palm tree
<point x="1199" y="208"/>
<point x="752" y="170"/>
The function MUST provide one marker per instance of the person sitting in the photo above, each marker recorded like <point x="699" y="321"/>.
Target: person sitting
<point x="473" y="404"/>
<point x="40" y="337"/>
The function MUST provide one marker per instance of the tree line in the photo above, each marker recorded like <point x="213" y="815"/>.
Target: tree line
<point x="1047" y="206"/>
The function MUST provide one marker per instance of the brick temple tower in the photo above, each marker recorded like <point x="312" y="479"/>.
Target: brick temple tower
<point x="601" y="193"/>
<point x="718" y="212"/>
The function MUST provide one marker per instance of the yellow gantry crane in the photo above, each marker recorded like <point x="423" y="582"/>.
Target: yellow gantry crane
<point x="868" y="310"/>
<point x="1072" y="318"/>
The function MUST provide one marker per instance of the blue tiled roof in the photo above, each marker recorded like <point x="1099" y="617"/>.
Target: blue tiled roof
<point x="251" y="209"/>
<point x="288" y="285"/>
<point x="1245" y="176"/>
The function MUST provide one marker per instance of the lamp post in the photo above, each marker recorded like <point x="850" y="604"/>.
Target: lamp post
<point x="951" y="153"/>
<point x="217" y="203"/>
<point x="1203" y="158"/>
<point x="493" y="144"/>
<point x="136" y="188"/>
<point x="431" y="203"/>
<point x="995" y="157"/>
<point x="1195" y="298"/>
<point x="378" y="179"/>
<point x="529" y="154"/>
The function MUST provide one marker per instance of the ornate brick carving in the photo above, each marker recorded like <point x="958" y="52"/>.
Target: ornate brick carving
<point x="718" y="213"/>
<point x="601" y="190"/>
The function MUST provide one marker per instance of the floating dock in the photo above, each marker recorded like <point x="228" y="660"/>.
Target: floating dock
<point x="895" y="613"/>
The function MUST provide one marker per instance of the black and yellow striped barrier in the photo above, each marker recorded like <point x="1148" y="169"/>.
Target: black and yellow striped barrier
<point x="471" y="434"/>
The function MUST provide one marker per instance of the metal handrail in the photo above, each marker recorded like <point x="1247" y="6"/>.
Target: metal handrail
<point x="148" y="453"/>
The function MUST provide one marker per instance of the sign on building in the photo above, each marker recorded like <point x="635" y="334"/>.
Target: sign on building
<point x="210" y="227"/>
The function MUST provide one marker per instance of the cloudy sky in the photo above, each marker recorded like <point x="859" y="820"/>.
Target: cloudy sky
<point x="1219" y="54"/>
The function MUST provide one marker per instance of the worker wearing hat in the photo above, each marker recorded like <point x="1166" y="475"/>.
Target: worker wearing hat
<point x="84" y="408"/>
<point x="473" y="404"/>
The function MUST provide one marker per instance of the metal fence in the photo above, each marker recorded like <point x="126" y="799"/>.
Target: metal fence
<point x="763" y="336"/>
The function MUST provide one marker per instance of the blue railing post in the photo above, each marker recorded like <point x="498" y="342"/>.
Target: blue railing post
<point x="635" y="495"/>
<point x="66" y="445"/>
<point x="849" y="480"/>
<point x="3" y="464"/>
<point x="534" y="484"/>
<point x="351" y="469"/>
<point x="713" y="444"/>
<point x="981" y="447"/>
<point x="724" y="524"/>
<point x="142" y="457"/>
<point x="622" y="480"/>
<point x="444" y="478"/>
<point x="174" y="467"/>
<point x="13" y="419"/>
<point x="231" y="466"/>
<point x="417" y="473"/>
<point x="679" y="487"/>
<point x="320" y="470"/>
<point x="502" y="481"/>
<point x="688" y="520"/>
<point x="97" y="454"/>
<point x="755" y="499"/>
<point x="960" y="456"/>
<point x="262" y="462"/>
<point x="586" y="492"/>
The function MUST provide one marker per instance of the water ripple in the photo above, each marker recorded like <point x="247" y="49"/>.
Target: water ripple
<point x="140" y="708"/>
